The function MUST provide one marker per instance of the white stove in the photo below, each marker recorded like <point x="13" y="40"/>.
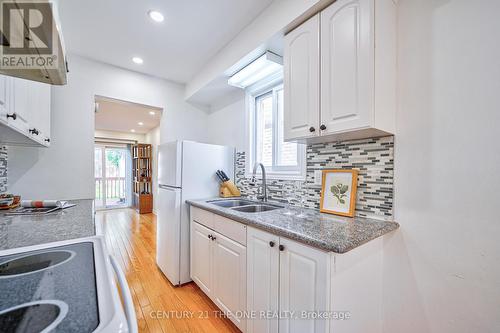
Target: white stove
<point x="66" y="286"/>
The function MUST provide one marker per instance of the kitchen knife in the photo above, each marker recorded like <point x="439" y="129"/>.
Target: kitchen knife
<point x="224" y="175"/>
<point x="219" y="176"/>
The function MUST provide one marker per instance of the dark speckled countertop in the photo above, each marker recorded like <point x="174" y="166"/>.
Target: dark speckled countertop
<point x="324" y="231"/>
<point x="69" y="223"/>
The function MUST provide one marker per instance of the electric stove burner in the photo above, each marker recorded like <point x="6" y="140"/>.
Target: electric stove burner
<point x="33" y="317"/>
<point x="34" y="263"/>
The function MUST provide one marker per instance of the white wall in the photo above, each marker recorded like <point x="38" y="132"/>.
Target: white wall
<point x="65" y="170"/>
<point x="227" y="126"/>
<point x="153" y="137"/>
<point x="442" y="268"/>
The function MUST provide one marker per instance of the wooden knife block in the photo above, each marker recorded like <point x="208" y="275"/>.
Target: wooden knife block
<point x="228" y="189"/>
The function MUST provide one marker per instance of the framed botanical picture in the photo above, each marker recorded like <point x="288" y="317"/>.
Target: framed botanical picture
<point x="338" y="192"/>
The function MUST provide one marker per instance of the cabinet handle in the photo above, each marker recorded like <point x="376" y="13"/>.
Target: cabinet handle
<point x="13" y="116"/>
<point x="214" y="238"/>
<point x="47" y="140"/>
<point x="322" y="127"/>
<point x="312" y="129"/>
<point x="271" y="244"/>
<point x="282" y="247"/>
<point x="33" y="131"/>
<point x="209" y="236"/>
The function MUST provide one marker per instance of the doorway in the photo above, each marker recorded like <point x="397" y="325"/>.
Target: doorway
<point x="112" y="176"/>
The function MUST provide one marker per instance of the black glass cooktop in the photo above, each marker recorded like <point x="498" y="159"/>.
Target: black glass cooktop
<point x="51" y="289"/>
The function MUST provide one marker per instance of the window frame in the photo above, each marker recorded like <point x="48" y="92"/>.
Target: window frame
<point x="270" y="85"/>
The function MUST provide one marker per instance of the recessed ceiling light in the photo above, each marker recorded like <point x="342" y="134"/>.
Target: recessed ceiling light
<point x="152" y="113"/>
<point x="156" y="16"/>
<point x="140" y="123"/>
<point x="132" y="130"/>
<point x="137" y="60"/>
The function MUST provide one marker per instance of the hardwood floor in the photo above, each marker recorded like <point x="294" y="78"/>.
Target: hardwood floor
<point x="160" y="307"/>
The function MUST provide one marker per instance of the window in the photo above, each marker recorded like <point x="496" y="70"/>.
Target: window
<point x="283" y="160"/>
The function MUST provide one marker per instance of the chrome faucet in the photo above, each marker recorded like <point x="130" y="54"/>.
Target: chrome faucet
<point x="261" y="195"/>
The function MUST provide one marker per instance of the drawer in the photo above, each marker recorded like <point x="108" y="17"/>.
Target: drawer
<point x="203" y="217"/>
<point x="231" y="229"/>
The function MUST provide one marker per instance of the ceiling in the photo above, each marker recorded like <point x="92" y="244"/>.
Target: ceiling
<point x="119" y="116"/>
<point x="114" y="31"/>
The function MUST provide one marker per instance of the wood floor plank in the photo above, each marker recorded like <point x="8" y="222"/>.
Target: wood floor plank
<point x="160" y="307"/>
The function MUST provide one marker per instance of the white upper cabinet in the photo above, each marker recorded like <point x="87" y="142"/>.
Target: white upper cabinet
<point x="39" y="104"/>
<point x="357" y="73"/>
<point x="301" y="81"/>
<point x="21" y="99"/>
<point x="25" y="108"/>
<point x="4" y="98"/>
<point x="346" y="66"/>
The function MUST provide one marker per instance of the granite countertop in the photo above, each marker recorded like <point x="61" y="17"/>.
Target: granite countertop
<point x="324" y="231"/>
<point x="69" y="223"/>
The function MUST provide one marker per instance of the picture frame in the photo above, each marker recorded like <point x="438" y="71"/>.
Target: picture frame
<point x="338" y="192"/>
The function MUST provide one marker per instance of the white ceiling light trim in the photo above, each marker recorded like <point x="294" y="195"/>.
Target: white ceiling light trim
<point x="156" y="16"/>
<point x="138" y="60"/>
<point x="266" y="65"/>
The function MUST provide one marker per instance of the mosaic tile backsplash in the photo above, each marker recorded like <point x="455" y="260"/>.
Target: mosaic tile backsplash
<point x="374" y="158"/>
<point x="3" y="169"/>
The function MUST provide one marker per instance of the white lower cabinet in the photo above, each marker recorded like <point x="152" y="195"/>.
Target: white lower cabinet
<point x="304" y="287"/>
<point x="229" y="278"/>
<point x="201" y="257"/>
<point x="288" y="279"/>
<point x="263" y="259"/>
<point x="283" y="286"/>
<point x="218" y="267"/>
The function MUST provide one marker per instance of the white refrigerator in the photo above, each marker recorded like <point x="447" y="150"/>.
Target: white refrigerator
<point x="186" y="170"/>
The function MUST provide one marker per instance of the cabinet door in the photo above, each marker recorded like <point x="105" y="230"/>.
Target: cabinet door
<point x="263" y="276"/>
<point x="301" y="81"/>
<point x="304" y="286"/>
<point x="201" y="257"/>
<point x="21" y="92"/>
<point x="3" y="97"/>
<point x="19" y="97"/>
<point x="39" y="104"/>
<point x="229" y="278"/>
<point x="347" y="75"/>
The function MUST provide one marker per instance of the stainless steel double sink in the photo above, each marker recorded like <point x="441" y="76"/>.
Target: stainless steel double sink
<point x="245" y="206"/>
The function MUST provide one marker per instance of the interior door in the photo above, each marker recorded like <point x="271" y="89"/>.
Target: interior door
<point x="304" y="286"/>
<point x="347" y="59"/>
<point x="168" y="232"/>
